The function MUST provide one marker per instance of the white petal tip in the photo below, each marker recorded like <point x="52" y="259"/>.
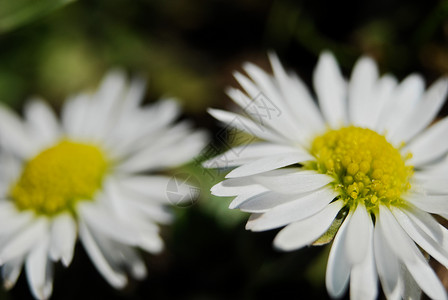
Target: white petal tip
<point x="8" y="284"/>
<point x="213" y="111"/>
<point x="272" y="55"/>
<point x="120" y="282"/>
<point x="66" y="261"/>
<point x="280" y="246"/>
<point x="237" y="75"/>
<point x="139" y="272"/>
<point x="257" y="228"/>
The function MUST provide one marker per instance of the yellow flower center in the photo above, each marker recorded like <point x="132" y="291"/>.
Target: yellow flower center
<point x="365" y="166"/>
<point x="60" y="176"/>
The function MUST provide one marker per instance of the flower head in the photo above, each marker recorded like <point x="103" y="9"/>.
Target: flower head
<point x="84" y="176"/>
<point x="361" y="169"/>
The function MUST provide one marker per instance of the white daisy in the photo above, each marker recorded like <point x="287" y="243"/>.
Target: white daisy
<point x="88" y="175"/>
<point x="361" y="168"/>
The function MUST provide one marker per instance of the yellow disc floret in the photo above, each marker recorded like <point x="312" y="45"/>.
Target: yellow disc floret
<point x="366" y="167"/>
<point x="58" y="177"/>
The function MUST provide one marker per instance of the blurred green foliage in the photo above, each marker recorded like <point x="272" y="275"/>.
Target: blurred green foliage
<point x="14" y="14"/>
<point x="189" y="49"/>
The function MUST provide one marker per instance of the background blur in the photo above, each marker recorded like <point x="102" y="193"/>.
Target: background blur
<point x="188" y="49"/>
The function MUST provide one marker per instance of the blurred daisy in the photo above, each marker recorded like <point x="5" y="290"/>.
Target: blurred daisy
<point x="88" y="175"/>
<point x="362" y="169"/>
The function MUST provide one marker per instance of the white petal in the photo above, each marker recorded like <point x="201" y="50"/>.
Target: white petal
<point x="151" y="142"/>
<point x="425" y="276"/>
<point x="431" y="180"/>
<point x="263" y="83"/>
<point x="121" y="257"/>
<point x="400" y="103"/>
<point x="338" y="267"/>
<point x="162" y="113"/>
<point x="269" y="163"/>
<point x="299" y="234"/>
<point x="292" y="181"/>
<point x="11" y="271"/>
<point x="135" y="93"/>
<point x="360" y="89"/>
<point x="429" y="225"/>
<point x="439" y="169"/>
<point x="74" y="112"/>
<point x="411" y="290"/>
<point x="430" y="145"/>
<point x="436" y="204"/>
<point x="250" y="87"/>
<point x="382" y="92"/>
<point x="63" y="238"/>
<point x="296" y="210"/>
<point x="14" y="136"/>
<point x="425" y="241"/>
<point x="123" y="205"/>
<point x="151" y="242"/>
<point x="7" y="208"/>
<point x="9" y="172"/>
<point x="363" y="277"/>
<point x="252" y="220"/>
<point x="39" y="270"/>
<point x="140" y="127"/>
<point x="106" y="104"/>
<point x="115" y="278"/>
<point x="243" y="154"/>
<point x="406" y="250"/>
<point x="234" y="186"/>
<point x="135" y="228"/>
<point x="387" y="265"/>
<point x="111" y="87"/>
<point x="269" y="107"/>
<point x="358" y="235"/>
<point x="423" y="114"/>
<point x="242" y="198"/>
<point x="429" y="184"/>
<point x="174" y="154"/>
<point x="156" y="212"/>
<point x="394" y="234"/>
<point x="25" y="240"/>
<point x="262" y="202"/>
<point x="266" y="106"/>
<point x="239" y="97"/>
<point x="152" y="211"/>
<point x="151" y="187"/>
<point x="134" y="262"/>
<point x="331" y="90"/>
<point x="297" y="96"/>
<point x="102" y="221"/>
<point x="244" y="124"/>
<point x="42" y="122"/>
<point x="13" y="220"/>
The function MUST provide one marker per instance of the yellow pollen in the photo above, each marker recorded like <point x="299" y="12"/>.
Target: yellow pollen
<point x="58" y="177"/>
<point x="365" y="166"/>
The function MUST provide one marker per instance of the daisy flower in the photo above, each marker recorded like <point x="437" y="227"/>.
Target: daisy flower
<point x="88" y="176"/>
<point x="361" y="169"/>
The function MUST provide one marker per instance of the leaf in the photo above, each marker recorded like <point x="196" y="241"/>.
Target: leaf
<point x="331" y="232"/>
<point x="16" y="13"/>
